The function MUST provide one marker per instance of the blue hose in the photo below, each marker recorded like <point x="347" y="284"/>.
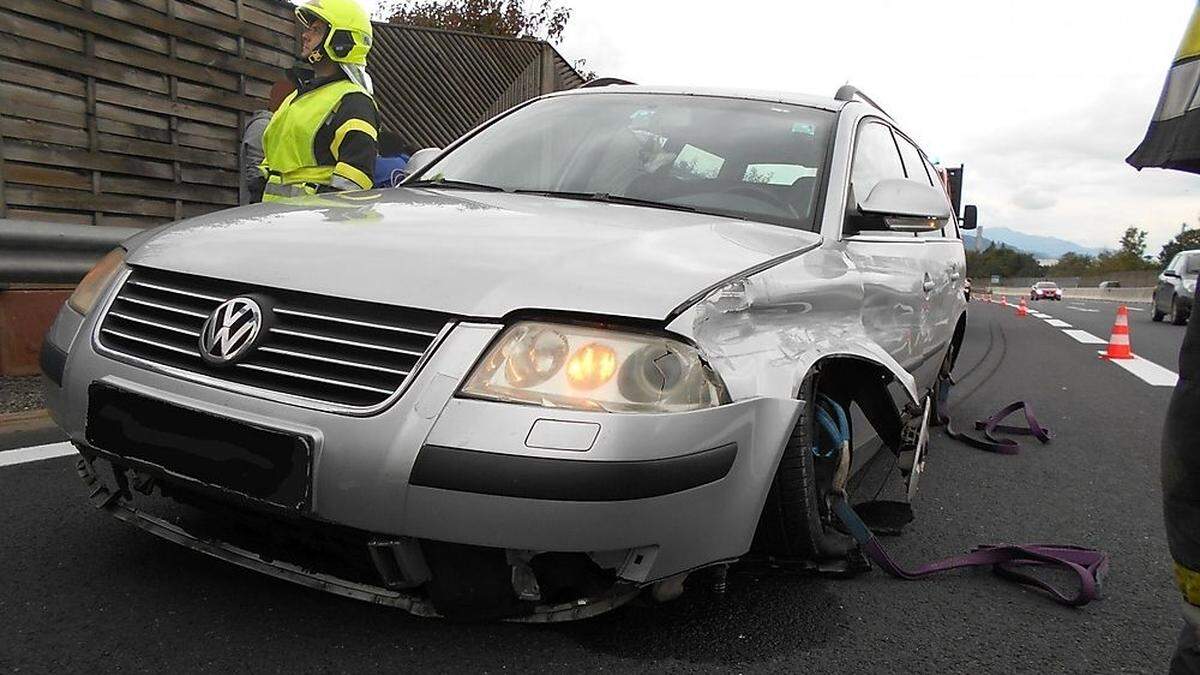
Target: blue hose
<point x="838" y="431"/>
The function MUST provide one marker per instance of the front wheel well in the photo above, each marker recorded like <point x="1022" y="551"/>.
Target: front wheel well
<point x="848" y="379"/>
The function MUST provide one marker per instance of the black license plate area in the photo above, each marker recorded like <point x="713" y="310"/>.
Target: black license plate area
<point x="256" y="462"/>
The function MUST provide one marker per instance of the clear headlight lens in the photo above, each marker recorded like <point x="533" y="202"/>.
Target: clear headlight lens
<point x="93" y="284"/>
<point x="1189" y="285"/>
<point x="563" y="366"/>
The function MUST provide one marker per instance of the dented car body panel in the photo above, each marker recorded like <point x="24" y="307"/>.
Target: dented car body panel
<point x="644" y="496"/>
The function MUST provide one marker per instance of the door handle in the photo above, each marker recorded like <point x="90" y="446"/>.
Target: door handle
<point x="928" y="285"/>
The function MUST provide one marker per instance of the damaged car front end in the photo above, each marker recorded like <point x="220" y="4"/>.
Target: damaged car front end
<point x="529" y="400"/>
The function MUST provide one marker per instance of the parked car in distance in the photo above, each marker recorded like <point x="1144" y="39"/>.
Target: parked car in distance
<point x="1109" y="284"/>
<point x="573" y="357"/>
<point x="1045" y="290"/>
<point x="1176" y="287"/>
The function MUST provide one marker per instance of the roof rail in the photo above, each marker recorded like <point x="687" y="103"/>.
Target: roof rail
<point x="603" y="82"/>
<point x="848" y="92"/>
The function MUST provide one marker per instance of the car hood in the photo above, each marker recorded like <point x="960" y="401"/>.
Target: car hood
<point x="470" y="253"/>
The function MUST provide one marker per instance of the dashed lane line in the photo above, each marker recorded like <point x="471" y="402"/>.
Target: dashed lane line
<point x="1077" y="308"/>
<point x="36" y="453"/>
<point x="1085" y="337"/>
<point x="1148" y="371"/>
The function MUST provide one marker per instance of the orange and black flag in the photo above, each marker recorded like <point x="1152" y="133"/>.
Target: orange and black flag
<point x="1173" y="140"/>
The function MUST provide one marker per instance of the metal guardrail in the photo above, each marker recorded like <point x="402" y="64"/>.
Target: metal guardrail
<point x="51" y="253"/>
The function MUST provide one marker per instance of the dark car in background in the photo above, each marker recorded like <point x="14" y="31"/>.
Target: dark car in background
<point x="1176" y="286"/>
<point x="1045" y="290"/>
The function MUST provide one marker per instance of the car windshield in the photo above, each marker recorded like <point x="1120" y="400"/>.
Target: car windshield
<point x="746" y="159"/>
<point x="1046" y="284"/>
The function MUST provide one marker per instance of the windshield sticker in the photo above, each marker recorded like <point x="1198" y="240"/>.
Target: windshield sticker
<point x="804" y="128"/>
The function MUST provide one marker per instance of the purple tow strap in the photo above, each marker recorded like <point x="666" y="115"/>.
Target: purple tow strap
<point x="1003" y="446"/>
<point x="1088" y="564"/>
<point x="1005" y="560"/>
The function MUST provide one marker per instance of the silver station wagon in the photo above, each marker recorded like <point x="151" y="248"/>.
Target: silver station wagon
<point x="579" y="355"/>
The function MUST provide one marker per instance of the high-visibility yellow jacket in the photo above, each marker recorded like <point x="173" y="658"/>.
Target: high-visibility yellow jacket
<point x="322" y="138"/>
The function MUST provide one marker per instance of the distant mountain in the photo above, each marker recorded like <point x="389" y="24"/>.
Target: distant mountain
<point x="1039" y="246"/>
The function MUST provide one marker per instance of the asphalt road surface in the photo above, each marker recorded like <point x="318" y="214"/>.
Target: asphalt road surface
<point x="80" y="591"/>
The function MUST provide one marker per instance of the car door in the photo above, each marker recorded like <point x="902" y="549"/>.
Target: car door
<point x="1166" y="287"/>
<point x="891" y="265"/>
<point x="944" y="258"/>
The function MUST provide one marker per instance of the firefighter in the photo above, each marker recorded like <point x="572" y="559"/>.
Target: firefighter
<point x="323" y="137"/>
<point x="1181" y="496"/>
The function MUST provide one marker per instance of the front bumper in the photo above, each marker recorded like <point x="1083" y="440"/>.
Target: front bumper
<point x="658" y="495"/>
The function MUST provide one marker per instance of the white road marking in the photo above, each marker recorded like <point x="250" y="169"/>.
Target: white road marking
<point x="1040" y="315"/>
<point x="1150" y="372"/>
<point x="1085" y="337"/>
<point x="1082" y="309"/>
<point x="1057" y="323"/>
<point x="36" y="453"/>
<point x="1134" y="309"/>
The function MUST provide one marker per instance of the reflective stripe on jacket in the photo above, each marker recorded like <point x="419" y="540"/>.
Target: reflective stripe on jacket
<point x="320" y="139"/>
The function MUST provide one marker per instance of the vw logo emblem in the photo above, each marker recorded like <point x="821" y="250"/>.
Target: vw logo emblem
<point x="230" y="331"/>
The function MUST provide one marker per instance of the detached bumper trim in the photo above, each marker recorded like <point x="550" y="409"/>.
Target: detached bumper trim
<point x="503" y="475"/>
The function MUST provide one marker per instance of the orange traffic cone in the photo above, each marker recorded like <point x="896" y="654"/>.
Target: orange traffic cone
<point x="1022" y="309"/>
<point x="1118" y="344"/>
<point x="1004" y="301"/>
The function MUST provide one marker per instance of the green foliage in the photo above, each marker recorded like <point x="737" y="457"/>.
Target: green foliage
<point x="488" y="17"/>
<point x="1073" y="265"/>
<point x="1133" y="243"/>
<point x="1184" y="241"/>
<point x="1003" y="261"/>
<point x="1129" y="257"/>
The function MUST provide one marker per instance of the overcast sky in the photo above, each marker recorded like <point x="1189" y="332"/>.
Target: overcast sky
<point x="1041" y="100"/>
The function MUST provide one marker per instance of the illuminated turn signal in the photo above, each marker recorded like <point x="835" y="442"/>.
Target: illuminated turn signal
<point x="591" y="366"/>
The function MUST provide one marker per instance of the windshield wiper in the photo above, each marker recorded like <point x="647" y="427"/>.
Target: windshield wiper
<point x="610" y="199"/>
<point x="449" y="184"/>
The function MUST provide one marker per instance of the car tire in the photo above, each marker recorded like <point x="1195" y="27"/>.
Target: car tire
<point x="1155" y="315"/>
<point x="791" y="524"/>
<point x="1178" y="318"/>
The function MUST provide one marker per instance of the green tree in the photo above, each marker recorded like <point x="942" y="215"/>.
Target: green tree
<point x="1072" y="265"/>
<point x="1002" y="261"/>
<point x="1186" y="240"/>
<point x="1133" y="242"/>
<point x="489" y="17"/>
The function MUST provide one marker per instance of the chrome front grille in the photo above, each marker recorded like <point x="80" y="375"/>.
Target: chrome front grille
<point x="327" y="350"/>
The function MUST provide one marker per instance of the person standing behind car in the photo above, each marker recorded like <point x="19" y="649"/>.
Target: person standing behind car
<point x="252" y="144"/>
<point x="394" y="154"/>
<point x="323" y="137"/>
<point x="1181" y="497"/>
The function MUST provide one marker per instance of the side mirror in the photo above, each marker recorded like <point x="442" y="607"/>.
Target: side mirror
<point x="970" y="217"/>
<point x="907" y="206"/>
<point x="421" y="159"/>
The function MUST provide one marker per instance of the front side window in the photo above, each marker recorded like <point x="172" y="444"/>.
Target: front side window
<point x="1189" y="263"/>
<point x="706" y="154"/>
<point x="913" y="166"/>
<point x="875" y="159"/>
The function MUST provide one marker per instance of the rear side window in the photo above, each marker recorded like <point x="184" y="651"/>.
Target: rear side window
<point x="875" y="158"/>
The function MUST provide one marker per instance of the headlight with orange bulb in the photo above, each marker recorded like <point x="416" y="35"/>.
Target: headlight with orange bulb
<point x="583" y="368"/>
